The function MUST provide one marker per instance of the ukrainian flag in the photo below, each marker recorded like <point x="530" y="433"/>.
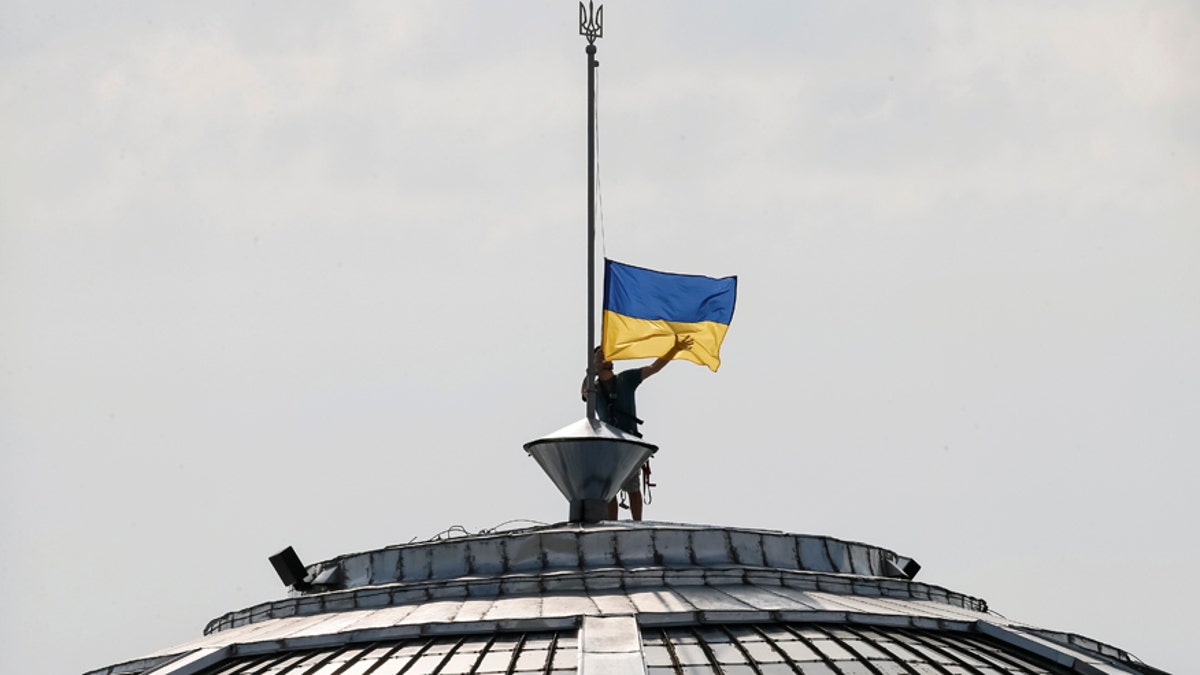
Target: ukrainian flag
<point x="644" y="310"/>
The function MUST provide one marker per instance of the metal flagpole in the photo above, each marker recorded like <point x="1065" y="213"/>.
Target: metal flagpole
<point x="591" y="26"/>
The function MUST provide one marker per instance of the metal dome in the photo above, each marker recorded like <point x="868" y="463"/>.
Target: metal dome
<point x="626" y="598"/>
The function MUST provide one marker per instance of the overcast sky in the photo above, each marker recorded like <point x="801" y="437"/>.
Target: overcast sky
<point x="310" y="274"/>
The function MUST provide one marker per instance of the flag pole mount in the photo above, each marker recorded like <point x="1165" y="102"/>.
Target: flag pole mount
<point x="591" y="26"/>
<point x="588" y="461"/>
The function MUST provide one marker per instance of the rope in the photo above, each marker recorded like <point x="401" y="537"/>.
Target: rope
<point x="528" y="521"/>
<point x="647" y="494"/>
<point x="446" y="534"/>
<point x="599" y="192"/>
<point x="460" y="531"/>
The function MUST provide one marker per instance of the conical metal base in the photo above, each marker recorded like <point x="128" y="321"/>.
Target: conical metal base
<point x="588" y="461"/>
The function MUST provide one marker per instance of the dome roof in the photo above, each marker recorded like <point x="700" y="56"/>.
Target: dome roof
<point x="626" y="598"/>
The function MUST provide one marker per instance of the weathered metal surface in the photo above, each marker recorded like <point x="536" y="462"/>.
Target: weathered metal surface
<point x="656" y="575"/>
<point x="711" y="598"/>
<point x="623" y="644"/>
<point x="611" y="579"/>
<point x="434" y="612"/>
<point x="612" y="603"/>
<point x="610" y="645"/>
<point x="577" y="547"/>
<point x="523" y="652"/>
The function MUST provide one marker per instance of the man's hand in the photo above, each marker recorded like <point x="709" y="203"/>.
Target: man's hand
<point x="682" y="343"/>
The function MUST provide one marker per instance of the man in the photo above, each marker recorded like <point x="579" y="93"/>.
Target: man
<point x="616" y="405"/>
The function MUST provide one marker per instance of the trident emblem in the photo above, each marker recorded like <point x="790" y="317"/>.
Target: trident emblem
<point x="591" y="22"/>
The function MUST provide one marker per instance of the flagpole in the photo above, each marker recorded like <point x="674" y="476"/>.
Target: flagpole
<point x="591" y="26"/>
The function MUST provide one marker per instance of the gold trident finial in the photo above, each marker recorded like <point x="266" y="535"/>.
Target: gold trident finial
<point x="591" y="22"/>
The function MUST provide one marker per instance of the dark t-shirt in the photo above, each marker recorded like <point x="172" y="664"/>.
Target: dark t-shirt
<point x="616" y="404"/>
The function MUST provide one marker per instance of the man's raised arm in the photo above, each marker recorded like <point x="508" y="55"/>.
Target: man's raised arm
<point x="681" y="343"/>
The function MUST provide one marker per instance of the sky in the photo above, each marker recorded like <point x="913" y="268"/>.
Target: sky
<point x="310" y="274"/>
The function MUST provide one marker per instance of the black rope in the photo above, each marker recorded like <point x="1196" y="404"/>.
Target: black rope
<point x="599" y="191"/>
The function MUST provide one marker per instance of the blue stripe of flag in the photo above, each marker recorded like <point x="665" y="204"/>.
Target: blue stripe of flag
<point x="646" y="294"/>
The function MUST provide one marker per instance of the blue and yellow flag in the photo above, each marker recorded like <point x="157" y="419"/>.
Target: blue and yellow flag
<point x="644" y="310"/>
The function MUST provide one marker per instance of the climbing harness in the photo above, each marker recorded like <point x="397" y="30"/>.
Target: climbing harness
<point x="647" y="495"/>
